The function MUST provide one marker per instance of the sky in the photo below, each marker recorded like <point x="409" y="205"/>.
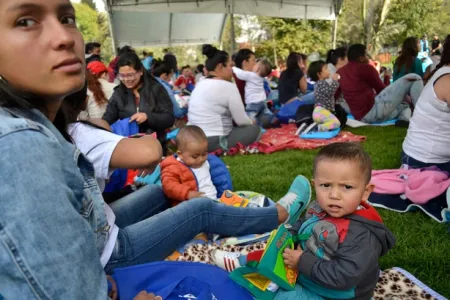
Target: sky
<point x="99" y="3"/>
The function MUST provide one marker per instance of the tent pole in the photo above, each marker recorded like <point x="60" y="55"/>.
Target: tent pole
<point x="111" y="30"/>
<point x="335" y="26"/>
<point x="233" y="34"/>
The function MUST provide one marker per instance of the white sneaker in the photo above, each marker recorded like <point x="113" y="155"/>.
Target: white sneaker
<point x="228" y="261"/>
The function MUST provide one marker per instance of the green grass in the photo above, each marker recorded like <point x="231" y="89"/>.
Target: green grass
<point x="423" y="245"/>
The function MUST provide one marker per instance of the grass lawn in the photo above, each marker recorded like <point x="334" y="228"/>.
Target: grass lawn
<point x="423" y="245"/>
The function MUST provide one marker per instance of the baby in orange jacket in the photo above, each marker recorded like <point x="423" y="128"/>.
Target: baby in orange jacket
<point x="187" y="175"/>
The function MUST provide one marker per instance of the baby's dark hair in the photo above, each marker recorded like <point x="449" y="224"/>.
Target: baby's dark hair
<point x="348" y="152"/>
<point x="266" y="67"/>
<point x="190" y="133"/>
<point x="314" y="69"/>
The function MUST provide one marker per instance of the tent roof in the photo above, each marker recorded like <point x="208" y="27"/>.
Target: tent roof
<point x="180" y="22"/>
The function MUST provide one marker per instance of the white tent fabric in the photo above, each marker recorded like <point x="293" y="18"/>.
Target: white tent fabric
<point x="175" y="22"/>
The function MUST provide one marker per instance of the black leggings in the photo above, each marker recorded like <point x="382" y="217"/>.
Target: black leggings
<point x="244" y="135"/>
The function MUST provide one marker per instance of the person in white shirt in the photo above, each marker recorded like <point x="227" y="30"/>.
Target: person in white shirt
<point x="427" y="143"/>
<point x="216" y="104"/>
<point x="255" y="95"/>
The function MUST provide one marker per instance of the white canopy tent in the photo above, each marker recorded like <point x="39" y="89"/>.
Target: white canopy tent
<point x="180" y="22"/>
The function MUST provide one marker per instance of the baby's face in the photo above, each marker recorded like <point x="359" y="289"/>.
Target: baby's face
<point x="194" y="154"/>
<point x="340" y="187"/>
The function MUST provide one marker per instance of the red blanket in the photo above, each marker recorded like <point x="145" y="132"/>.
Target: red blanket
<point x="284" y="138"/>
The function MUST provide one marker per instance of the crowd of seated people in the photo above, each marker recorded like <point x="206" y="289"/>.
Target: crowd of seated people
<point x="63" y="101"/>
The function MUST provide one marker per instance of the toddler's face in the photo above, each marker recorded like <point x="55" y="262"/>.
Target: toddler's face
<point x="194" y="154"/>
<point x="325" y="73"/>
<point x="340" y="187"/>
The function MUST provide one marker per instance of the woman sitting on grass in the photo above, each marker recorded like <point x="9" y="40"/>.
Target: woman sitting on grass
<point x="408" y="62"/>
<point x="215" y="104"/>
<point x="427" y="142"/>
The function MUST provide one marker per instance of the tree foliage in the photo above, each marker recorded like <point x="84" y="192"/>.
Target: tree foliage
<point x="94" y="27"/>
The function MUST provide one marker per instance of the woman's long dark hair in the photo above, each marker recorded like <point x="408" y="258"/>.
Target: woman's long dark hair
<point x="408" y="55"/>
<point x="334" y="54"/>
<point x="96" y="88"/>
<point x="292" y="61"/>
<point x="12" y="98"/>
<point x="445" y="57"/>
<point x="159" y="67"/>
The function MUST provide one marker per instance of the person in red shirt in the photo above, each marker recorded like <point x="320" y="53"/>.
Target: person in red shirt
<point x="368" y="98"/>
<point x="185" y="79"/>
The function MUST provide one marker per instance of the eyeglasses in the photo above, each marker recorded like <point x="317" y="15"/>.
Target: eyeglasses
<point x="129" y="76"/>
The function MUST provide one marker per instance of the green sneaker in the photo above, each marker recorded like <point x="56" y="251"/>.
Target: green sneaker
<point x="297" y="198"/>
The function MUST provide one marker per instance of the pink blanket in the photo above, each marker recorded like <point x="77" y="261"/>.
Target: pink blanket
<point x="419" y="186"/>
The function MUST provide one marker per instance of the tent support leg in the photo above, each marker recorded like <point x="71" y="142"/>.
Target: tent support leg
<point x="111" y="32"/>
<point x="335" y="26"/>
<point x="233" y="34"/>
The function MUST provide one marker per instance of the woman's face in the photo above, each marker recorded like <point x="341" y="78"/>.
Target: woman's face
<point x="248" y="65"/>
<point x="42" y="51"/>
<point x="129" y="76"/>
<point x="342" y="61"/>
<point x="226" y="72"/>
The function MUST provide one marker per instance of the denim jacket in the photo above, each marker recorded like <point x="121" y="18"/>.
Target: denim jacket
<point x="53" y="225"/>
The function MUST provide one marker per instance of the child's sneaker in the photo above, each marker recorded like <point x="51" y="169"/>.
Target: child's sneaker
<point x="297" y="199"/>
<point x="228" y="261"/>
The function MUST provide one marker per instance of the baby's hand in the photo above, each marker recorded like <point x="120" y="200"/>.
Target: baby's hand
<point x="292" y="257"/>
<point x="335" y="77"/>
<point x="195" y="194"/>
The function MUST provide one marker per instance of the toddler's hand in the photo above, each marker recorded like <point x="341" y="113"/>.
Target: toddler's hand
<point x="194" y="194"/>
<point x="146" y="296"/>
<point x="292" y="257"/>
<point x="335" y="77"/>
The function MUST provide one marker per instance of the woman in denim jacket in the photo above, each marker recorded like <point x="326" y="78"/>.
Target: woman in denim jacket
<point x="53" y="220"/>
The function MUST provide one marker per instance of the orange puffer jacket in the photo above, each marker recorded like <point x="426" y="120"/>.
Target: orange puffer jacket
<point x="177" y="180"/>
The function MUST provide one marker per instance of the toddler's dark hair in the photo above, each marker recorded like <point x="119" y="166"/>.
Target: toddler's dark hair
<point x="190" y="133"/>
<point x="314" y="69"/>
<point x="348" y="152"/>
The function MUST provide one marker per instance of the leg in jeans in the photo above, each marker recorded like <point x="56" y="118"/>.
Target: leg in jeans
<point x="325" y="119"/>
<point x="157" y="237"/>
<point x="308" y="98"/>
<point x="253" y="111"/>
<point x="416" y="164"/>
<point x="388" y="104"/>
<point x="139" y="205"/>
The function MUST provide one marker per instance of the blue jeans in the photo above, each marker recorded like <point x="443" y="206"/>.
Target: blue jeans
<point x="260" y="113"/>
<point x="144" y="237"/>
<point x="389" y="103"/>
<point x="417" y="164"/>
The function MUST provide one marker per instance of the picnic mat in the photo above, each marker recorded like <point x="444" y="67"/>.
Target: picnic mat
<point x="284" y="138"/>
<point x="393" y="284"/>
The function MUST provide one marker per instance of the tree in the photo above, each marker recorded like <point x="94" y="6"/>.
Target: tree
<point x="94" y="26"/>
<point x="288" y="35"/>
<point x="420" y="17"/>
<point x="226" y="35"/>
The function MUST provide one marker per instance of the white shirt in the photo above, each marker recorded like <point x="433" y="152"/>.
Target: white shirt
<point x="214" y="105"/>
<point x="254" y="85"/>
<point x="428" y="134"/>
<point x="204" y="180"/>
<point x="93" y="109"/>
<point x="205" y="184"/>
<point x="98" y="145"/>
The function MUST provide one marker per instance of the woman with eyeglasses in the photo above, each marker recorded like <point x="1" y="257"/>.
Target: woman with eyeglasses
<point x="141" y="98"/>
